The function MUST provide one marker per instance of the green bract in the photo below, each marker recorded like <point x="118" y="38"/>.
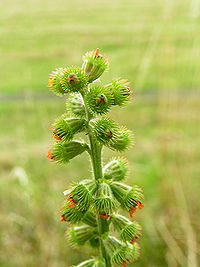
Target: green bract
<point x="91" y="206"/>
<point x="75" y="105"/>
<point x="79" y="235"/>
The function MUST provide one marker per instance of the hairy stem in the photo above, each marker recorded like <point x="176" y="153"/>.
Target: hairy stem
<point x="96" y="158"/>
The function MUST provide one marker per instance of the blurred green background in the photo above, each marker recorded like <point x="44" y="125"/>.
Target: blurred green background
<point x="156" y="45"/>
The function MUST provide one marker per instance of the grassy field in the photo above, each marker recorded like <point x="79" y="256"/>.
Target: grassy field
<point x="154" y="44"/>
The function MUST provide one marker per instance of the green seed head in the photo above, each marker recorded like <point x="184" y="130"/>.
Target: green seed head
<point x="99" y="99"/>
<point x="105" y="130"/>
<point x="104" y="201"/>
<point x="74" y="80"/>
<point x="65" y="127"/>
<point x="123" y="140"/>
<point x="55" y="81"/>
<point x="120" y="90"/>
<point x="64" y="152"/>
<point x="94" y="64"/>
<point x="116" y="169"/>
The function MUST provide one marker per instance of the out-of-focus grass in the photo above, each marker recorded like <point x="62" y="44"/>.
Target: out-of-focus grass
<point x="157" y="43"/>
<point x="154" y="44"/>
<point x="164" y="162"/>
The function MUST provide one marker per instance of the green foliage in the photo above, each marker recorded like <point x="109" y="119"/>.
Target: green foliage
<point x="94" y="203"/>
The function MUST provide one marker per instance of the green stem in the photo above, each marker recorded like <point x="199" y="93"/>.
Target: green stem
<point x="96" y="158"/>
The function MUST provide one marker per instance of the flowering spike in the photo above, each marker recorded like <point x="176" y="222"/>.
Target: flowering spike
<point x="92" y="205"/>
<point x="116" y="169"/>
<point x="94" y="64"/>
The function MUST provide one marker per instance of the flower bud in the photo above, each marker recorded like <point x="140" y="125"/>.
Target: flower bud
<point x="63" y="152"/>
<point x="129" y="231"/>
<point x="122" y="140"/>
<point x="120" y="91"/>
<point x="82" y="195"/>
<point x="65" y="128"/>
<point x="105" y="130"/>
<point x="78" y="236"/>
<point x="74" y="80"/>
<point x="104" y="201"/>
<point x="116" y="169"/>
<point x="75" y="105"/>
<point x="99" y="99"/>
<point x="55" y="81"/>
<point x="121" y="253"/>
<point x="94" y="64"/>
<point x="129" y="197"/>
<point x="126" y="254"/>
<point x="70" y="212"/>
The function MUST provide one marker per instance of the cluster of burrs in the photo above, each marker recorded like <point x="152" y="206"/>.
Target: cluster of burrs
<point x="91" y="206"/>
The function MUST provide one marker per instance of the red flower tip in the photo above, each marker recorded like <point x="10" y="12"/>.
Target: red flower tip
<point x="134" y="240"/>
<point x="96" y="52"/>
<point x="57" y="137"/>
<point x="62" y="218"/>
<point x="139" y="205"/>
<point x="124" y="263"/>
<point x="132" y="212"/>
<point x="50" y="155"/>
<point x="70" y="79"/>
<point x="72" y="203"/>
<point x="104" y="215"/>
